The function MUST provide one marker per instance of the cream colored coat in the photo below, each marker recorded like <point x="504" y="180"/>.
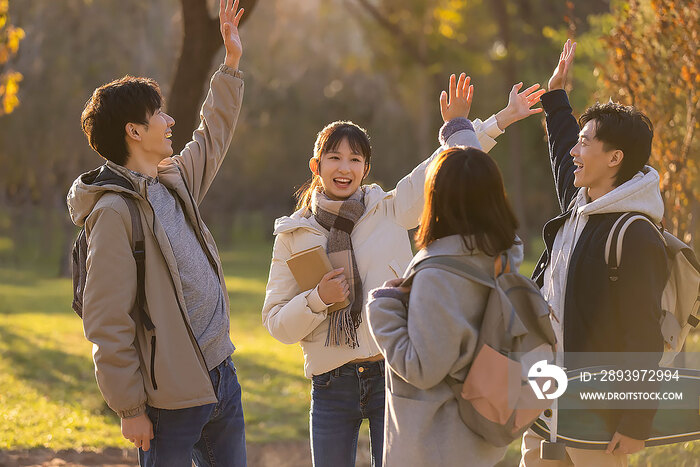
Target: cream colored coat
<point x="382" y="250"/>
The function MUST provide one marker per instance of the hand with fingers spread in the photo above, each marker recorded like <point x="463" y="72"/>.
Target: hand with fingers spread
<point x="566" y="58"/>
<point x="460" y="98"/>
<point x="229" y="18"/>
<point x="138" y="430"/>
<point x="520" y="105"/>
<point x="333" y="287"/>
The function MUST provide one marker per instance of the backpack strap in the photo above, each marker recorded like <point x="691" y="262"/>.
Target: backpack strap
<point x="139" y="252"/>
<point x="450" y="264"/>
<point x="613" y="245"/>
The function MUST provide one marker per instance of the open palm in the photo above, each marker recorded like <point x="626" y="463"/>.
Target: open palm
<point x="229" y="18"/>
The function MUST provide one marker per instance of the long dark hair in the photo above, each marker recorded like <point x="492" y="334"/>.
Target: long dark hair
<point x="327" y="140"/>
<point x="464" y="195"/>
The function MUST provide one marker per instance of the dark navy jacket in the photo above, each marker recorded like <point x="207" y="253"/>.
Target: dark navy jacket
<point x="600" y="315"/>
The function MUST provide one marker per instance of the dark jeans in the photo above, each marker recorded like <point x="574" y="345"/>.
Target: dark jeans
<point x="340" y="400"/>
<point x="212" y="434"/>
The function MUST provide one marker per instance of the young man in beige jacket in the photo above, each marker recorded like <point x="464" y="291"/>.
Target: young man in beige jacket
<point x="167" y="372"/>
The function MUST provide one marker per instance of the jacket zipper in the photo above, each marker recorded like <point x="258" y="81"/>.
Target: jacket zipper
<point x="153" y="362"/>
<point x="179" y="305"/>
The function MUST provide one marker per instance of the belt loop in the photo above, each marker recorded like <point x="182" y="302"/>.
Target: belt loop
<point x="381" y="367"/>
<point x="336" y="372"/>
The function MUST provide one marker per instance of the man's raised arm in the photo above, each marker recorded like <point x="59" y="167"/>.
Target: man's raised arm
<point x="201" y="158"/>
<point x="562" y="128"/>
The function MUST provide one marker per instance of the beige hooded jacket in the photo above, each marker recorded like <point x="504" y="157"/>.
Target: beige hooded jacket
<point x="128" y="358"/>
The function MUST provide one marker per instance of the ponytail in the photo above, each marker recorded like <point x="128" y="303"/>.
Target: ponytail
<point x="303" y="195"/>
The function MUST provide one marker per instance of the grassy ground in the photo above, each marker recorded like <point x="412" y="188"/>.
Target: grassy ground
<point x="49" y="397"/>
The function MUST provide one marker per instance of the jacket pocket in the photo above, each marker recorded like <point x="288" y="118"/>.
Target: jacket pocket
<point x="153" y="362"/>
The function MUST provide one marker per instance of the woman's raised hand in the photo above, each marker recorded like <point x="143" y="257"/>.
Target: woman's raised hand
<point x="520" y="105"/>
<point x="333" y="287"/>
<point x="459" y="101"/>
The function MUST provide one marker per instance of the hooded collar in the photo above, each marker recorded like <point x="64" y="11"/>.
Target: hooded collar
<point x="640" y="194"/>
<point x="84" y="194"/>
<point x="453" y="245"/>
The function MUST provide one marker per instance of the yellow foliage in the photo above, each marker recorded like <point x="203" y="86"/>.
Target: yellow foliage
<point x="9" y="87"/>
<point x="447" y="31"/>
<point x="14" y="35"/>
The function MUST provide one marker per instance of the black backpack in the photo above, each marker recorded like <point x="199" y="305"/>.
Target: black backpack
<point x="104" y="176"/>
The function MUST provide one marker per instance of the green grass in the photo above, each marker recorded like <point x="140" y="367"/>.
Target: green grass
<point x="49" y="398"/>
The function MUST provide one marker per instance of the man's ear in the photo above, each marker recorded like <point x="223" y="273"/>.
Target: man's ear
<point x="616" y="158"/>
<point x="132" y="132"/>
<point x="313" y="165"/>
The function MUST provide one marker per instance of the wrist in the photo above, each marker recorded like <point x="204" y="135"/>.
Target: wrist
<point x="505" y="118"/>
<point x="232" y="62"/>
<point x="554" y="86"/>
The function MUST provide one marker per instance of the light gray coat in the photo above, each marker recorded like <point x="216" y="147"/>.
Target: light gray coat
<point x="436" y="338"/>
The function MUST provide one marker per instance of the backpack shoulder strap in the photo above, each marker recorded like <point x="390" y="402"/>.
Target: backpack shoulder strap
<point x="613" y="244"/>
<point x="139" y="252"/>
<point x="452" y="265"/>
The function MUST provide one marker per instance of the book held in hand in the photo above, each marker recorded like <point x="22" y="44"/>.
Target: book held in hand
<point x="308" y="268"/>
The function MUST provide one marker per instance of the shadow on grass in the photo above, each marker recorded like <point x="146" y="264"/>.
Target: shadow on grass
<point x="59" y="376"/>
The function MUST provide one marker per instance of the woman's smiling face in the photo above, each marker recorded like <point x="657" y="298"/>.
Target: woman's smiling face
<point x="341" y="171"/>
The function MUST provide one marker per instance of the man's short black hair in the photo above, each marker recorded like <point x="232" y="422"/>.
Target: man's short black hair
<point x="111" y="107"/>
<point x="625" y="128"/>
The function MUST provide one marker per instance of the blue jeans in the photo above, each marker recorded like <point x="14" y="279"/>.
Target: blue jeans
<point x="212" y="434"/>
<point x="340" y="400"/>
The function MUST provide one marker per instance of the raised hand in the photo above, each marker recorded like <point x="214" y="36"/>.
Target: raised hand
<point x="520" y="105"/>
<point x="460" y="98"/>
<point x="566" y="58"/>
<point x="229" y="17"/>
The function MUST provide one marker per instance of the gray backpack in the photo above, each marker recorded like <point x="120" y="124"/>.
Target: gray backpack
<point x="495" y="400"/>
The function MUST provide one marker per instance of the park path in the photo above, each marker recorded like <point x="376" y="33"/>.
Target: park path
<point x="277" y="454"/>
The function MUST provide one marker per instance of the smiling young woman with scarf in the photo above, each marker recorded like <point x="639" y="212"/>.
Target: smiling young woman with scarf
<point x="364" y="230"/>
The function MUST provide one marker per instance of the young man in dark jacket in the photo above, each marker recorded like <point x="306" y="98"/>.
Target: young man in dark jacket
<point x="600" y="173"/>
<point x="167" y="372"/>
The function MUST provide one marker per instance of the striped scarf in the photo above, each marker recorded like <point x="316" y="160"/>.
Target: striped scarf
<point x="339" y="218"/>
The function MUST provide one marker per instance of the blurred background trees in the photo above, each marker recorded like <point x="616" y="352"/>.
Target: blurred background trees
<point x="380" y="63"/>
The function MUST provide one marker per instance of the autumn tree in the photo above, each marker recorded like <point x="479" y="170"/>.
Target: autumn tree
<point x="653" y="65"/>
<point x="200" y="43"/>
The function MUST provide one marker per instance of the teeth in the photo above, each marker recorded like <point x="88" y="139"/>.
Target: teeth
<point x="342" y="180"/>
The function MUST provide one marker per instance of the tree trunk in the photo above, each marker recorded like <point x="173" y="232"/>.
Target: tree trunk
<point x="514" y="133"/>
<point x="200" y="43"/>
